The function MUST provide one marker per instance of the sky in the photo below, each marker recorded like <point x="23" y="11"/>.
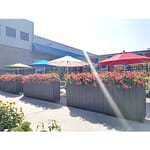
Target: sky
<point x="96" y="26"/>
<point x="93" y="25"/>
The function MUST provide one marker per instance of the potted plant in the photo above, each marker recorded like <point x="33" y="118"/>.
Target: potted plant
<point x="42" y="86"/>
<point x="127" y="90"/>
<point x="11" y="83"/>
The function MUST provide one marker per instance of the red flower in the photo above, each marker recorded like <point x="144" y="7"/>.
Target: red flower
<point x="122" y="79"/>
<point x="40" y="78"/>
<point x="10" y="77"/>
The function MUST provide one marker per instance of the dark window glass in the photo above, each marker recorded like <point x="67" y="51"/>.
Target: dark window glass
<point x="11" y="32"/>
<point x="24" y="36"/>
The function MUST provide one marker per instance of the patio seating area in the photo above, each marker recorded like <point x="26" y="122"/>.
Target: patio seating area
<point x="77" y="103"/>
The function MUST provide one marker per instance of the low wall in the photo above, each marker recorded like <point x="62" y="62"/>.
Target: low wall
<point x="131" y="102"/>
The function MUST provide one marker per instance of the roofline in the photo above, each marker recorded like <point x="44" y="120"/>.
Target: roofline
<point x="66" y="45"/>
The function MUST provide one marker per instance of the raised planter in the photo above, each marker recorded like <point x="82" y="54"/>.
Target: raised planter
<point x="131" y="102"/>
<point x="45" y="91"/>
<point x="11" y="86"/>
<point x="11" y="83"/>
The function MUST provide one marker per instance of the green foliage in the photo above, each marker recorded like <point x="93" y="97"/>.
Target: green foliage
<point x="25" y="126"/>
<point x="52" y="126"/>
<point x="10" y="116"/>
<point x="11" y="119"/>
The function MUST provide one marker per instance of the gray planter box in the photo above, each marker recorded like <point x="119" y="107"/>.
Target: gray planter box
<point x="12" y="87"/>
<point x="131" y="102"/>
<point x="46" y="91"/>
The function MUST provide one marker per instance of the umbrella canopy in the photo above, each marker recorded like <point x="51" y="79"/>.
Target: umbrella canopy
<point x="17" y="65"/>
<point x="124" y="58"/>
<point x="41" y="63"/>
<point x="67" y="61"/>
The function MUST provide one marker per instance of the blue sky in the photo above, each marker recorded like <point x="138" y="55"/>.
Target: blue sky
<point x="123" y="34"/>
<point x="96" y="26"/>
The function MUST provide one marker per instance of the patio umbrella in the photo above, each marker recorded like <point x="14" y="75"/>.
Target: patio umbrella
<point x="40" y="63"/>
<point x="124" y="58"/>
<point x="67" y="61"/>
<point x="18" y="66"/>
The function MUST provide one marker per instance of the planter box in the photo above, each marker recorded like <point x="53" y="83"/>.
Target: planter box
<point x="131" y="102"/>
<point x="45" y="91"/>
<point x="12" y="87"/>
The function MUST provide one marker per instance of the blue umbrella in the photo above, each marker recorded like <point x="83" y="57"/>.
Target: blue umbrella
<point x="41" y="63"/>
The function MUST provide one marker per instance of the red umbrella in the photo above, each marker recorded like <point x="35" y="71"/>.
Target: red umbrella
<point x="124" y="58"/>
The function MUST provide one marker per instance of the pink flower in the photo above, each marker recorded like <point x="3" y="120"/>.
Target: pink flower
<point x="10" y="77"/>
<point x="78" y="83"/>
<point x="126" y="86"/>
<point x="40" y="78"/>
<point x="122" y="79"/>
<point x="140" y="82"/>
<point x="94" y="84"/>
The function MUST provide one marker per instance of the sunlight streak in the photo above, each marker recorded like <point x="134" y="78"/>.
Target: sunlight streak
<point x="106" y="93"/>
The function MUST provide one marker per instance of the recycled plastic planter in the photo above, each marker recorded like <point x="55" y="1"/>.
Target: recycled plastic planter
<point x="11" y="86"/>
<point x="131" y="102"/>
<point x="45" y="91"/>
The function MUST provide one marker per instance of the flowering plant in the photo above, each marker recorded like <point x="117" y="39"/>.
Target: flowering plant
<point x="40" y="78"/>
<point x="120" y="79"/>
<point x="10" y="116"/>
<point x="52" y="126"/>
<point x="10" y="77"/>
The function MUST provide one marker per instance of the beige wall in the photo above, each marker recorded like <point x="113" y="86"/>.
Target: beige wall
<point x="9" y="55"/>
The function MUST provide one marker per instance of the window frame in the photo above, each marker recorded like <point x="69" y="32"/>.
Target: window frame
<point x="24" y="36"/>
<point x="10" y="32"/>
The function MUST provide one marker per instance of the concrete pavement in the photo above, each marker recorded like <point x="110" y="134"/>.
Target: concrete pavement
<point x="69" y="118"/>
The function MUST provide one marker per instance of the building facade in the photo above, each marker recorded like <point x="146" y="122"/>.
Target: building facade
<point x="18" y="44"/>
<point x="15" y="41"/>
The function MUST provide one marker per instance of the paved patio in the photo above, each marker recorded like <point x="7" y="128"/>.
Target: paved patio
<point x="72" y="119"/>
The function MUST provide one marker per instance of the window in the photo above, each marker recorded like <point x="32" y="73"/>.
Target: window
<point x="24" y="36"/>
<point x="11" y="32"/>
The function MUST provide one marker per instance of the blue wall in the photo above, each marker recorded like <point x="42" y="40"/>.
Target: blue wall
<point x="54" y="51"/>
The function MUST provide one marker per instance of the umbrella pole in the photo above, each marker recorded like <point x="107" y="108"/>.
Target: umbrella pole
<point x="146" y="67"/>
<point x="44" y="69"/>
<point x="67" y="70"/>
<point x="17" y="71"/>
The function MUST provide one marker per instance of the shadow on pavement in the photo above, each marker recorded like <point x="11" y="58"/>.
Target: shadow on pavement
<point x="97" y="118"/>
<point x="40" y="103"/>
<point x="9" y="95"/>
<point x="109" y="122"/>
